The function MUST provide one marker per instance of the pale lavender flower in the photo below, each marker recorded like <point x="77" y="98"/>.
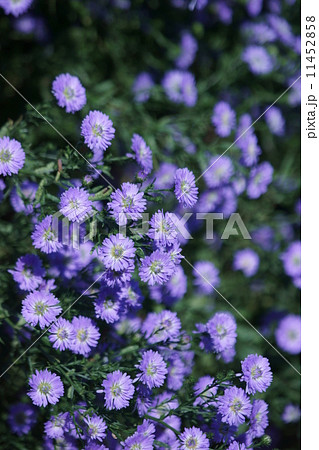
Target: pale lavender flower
<point x="15" y="7"/>
<point x="156" y="268"/>
<point x="236" y="446"/>
<point x="291" y="414"/>
<point x="97" y="130"/>
<point x="288" y="334"/>
<point x="12" y="156"/>
<point x="162" y="229"/>
<point x="222" y="331"/>
<point x="40" y="307"/>
<point x="106" y="307"/>
<point x="258" y="33"/>
<point x="22" y="417"/>
<point x="250" y="150"/>
<point x="127" y="203"/>
<point x="46" y="387"/>
<point x="186" y="190"/>
<point x="21" y="200"/>
<point x="164" y="177"/>
<point x="161" y="327"/>
<point x="282" y="29"/>
<point x="152" y="369"/>
<point x="180" y="87"/>
<point x="142" y="87"/>
<point x="223" y="118"/>
<point x="117" y="252"/>
<point x="275" y="121"/>
<point x="69" y="92"/>
<point x="254" y="7"/>
<point x="206" y="276"/>
<point x="95" y="427"/>
<point x="234" y="406"/>
<point x="62" y="334"/>
<point x="131" y="295"/>
<point x="259" y="179"/>
<point x="142" y="154"/>
<point x="44" y="236"/>
<point x="86" y="335"/>
<point x="193" y="439"/>
<point x="291" y="259"/>
<point x="118" y="390"/>
<point x="219" y="171"/>
<point x="256" y="373"/>
<point x="258" y="60"/>
<point x="28" y="272"/>
<point x="75" y="204"/>
<point x="188" y="51"/>
<point x="258" y="419"/>
<point x="247" y="261"/>
<point x="189" y="90"/>
<point x="57" y="425"/>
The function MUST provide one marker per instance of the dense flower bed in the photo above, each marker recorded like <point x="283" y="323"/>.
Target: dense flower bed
<point x="149" y="183"/>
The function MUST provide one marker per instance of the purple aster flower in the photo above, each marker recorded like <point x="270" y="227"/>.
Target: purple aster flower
<point x="291" y="414"/>
<point x="114" y="278"/>
<point x="163" y="229"/>
<point x="204" y="394"/>
<point x="22" y="417"/>
<point x="106" y="307"/>
<point x="164" y="177"/>
<point x="69" y="92"/>
<point x="57" y="425"/>
<point x="118" y="390"/>
<point x="46" y="387"/>
<point x="97" y="130"/>
<point x="131" y="295"/>
<point x="189" y="89"/>
<point x="28" y="272"/>
<point x="142" y="87"/>
<point x="254" y="7"/>
<point x="176" y="372"/>
<point x="282" y="29"/>
<point x="162" y="327"/>
<point x="194" y="439"/>
<point x="264" y="237"/>
<point x="139" y="441"/>
<point x="180" y="87"/>
<point x="275" y="121"/>
<point x="21" y="200"/>
<point x="291" y="259"/>
<point x="142" y="154"/>
<point x="176" y="287"/>
<point x="185" y="191"/>
<point x="12" y="156"/>
<point x="15" y="7"/>
<point x="206" y="276"/>
<point x="188" y="51"/>
<point x="256" y="373"/>
<point x="258" y="33"/>
<point x="234" y="405"/>
<point x="258" y="60"/>
<point x="288" y="334"/>
<point x="250" y="150"/>
<point x="44" y="236"/>
<point x="62" y="334"/>
<point x="117" y="252"/>
<point x="247" y="261"/>
<point x="224" y="119"/>
<point x="259" y="179"/>
<point x="222" y="331"/>
<point x="86" y="335"/>
<point x="95" y="427"/>
<point x="156" y="268"/>
<point x="41" y="308"/>
<point x="175" y="253"/>
<point x="75" y="204"/>
<point x="127" y="203"/>
<point x="152" y="369"/>
<point x="219" y="171"/>
<point x="258" y="419"/>
<point x="208" y="201"/>
<point x="244" y="129"/>
<point x="236" y="446"/>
